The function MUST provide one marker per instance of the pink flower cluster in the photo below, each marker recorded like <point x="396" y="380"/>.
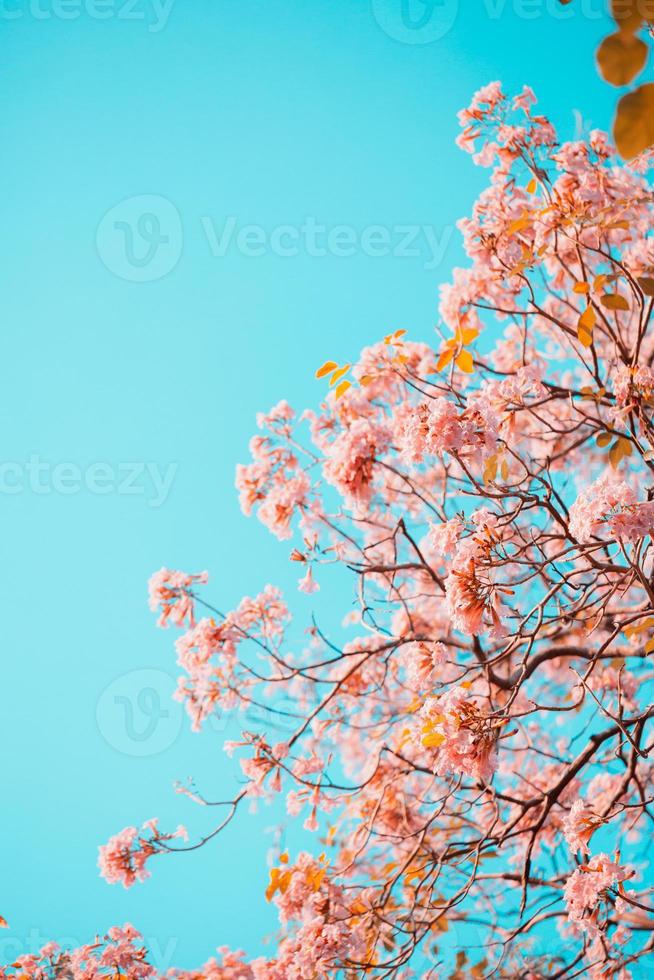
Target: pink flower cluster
<point x="123" y="858"/>
<point x="435" y="426"/>
<point x="118" y="954"/>
<point x="170" y="594"/>
<point x="474" y="601"/>
<point x="274" y="480"/>
<point x="208" y="652"/>
<point x="579" y="825"/>
<point x="459" y="734"/>
<point x="587" y="885"/>
<point x="351" y="458"/>
<point x="609" y="505"/>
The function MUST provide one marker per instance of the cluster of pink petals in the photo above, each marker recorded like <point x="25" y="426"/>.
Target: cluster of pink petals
<point x="631" y="384"/>
<point x="351" y="459"/>
<point x="423" y="660"/>
<point x="473" y="600"/>
<point x="610" y="505"/>
<point x="579" y="825"/>
<point x="307" y="583"/>
<point x="118" y="954"/>
<point x="587" y="885"/>
<point x="170" y="595"/>
<point x="208" y="652"/>
<point x="273" y="481"/>
<point x="123" y="858"/>
<point x="444" y="537"/>
<point x="436" y="426"/>
<point x="459" y="735"/>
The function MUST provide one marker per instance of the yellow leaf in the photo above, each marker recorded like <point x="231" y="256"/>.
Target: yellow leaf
<point x="644" y="624"/>
<point x="603" y="439"/>
<point x="620" y="57"/>
<point x="504" y="470"/>
<point x="342" y="388"/>
<point x="614" y="301"/>
<point x="519" y="224"/>
<point x="337" y="375"/>
<point x="464" y="362"/>
<point x="599" y="281"/>
<point x="532" y="185"/>
<point x="433" y="740"/>
<point x="490" y="469"/>
<point x="445" y="358"/>
<point x="584" y="334"/>
<point x="581" y="287"/>
<point x="398" y="334"/>
<point x="588" y="318"/>
<point x="365" y="380"/>
<point x="620" y="449"/>
<point x="633" y="128"/>
<point x="327" y="368"/>
<point x="466" y="335"/>
<point x="649" y="647"/>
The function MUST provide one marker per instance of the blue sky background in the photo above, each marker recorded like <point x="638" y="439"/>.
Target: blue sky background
<point x="268" y="112"/>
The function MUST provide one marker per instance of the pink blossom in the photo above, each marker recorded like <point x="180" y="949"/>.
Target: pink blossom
<point x="585" y="887"/>
<point x="170" y="593"/>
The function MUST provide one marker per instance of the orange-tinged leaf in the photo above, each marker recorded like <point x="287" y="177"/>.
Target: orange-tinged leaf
<point x="532" y="185"/>
<point x="633" y="128"/>
<point x="433" y="740"/>
<point x="464" y="362"/>
<point x="342" y="388"/>
<point x="581" y="287"/>
<point x="620" y="57"/>
<point x="620" y="449"/>
<point x="644" y="624"/>
<point x="326" y="368"/>
<point x="647" y="286"/>
<point x="614" y="301"/>
<point x="585" y="326"/>
<point x="490" y="469"/>
<point x="337" y="375"/>
<point x="504" y="470"/>
<point x="603" y="439"/>
<point x="519" y="224"/>
<point x="445" y="358"/>
<point x="649" y="647"/>
<point x="588" y="318"/>
<point x="3" y="923"/>
<point x="398" y="334"/>
<point x="365" y="380"/>
<point x="466" y="335"/>
<point x="585" y="337"/>
<point x="599" y="281"/>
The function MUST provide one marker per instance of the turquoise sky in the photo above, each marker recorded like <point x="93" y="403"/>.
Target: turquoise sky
<point x="139" y="344"/>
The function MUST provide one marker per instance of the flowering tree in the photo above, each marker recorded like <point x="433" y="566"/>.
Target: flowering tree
<point x="473" y="757"/>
